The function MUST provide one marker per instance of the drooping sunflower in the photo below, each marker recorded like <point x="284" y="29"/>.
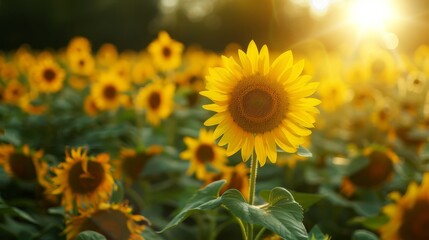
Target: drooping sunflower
<point x="90" y="106"/>
<point x="23" y="163"/>
<point x="203" y="153"/>
<point x="260" y="106"/>
<point x="108" y="92"/>
<point x="378" y="171"/>
<point x="47" y="76"/>
<point x="83" y="179"/>
<point x="113" y="221"/>
<point x="236" y="178"/>
<point x="166" y="52"/>
<point x="157" y="99"/>
<point x="13" y="92"/>
<point x="132" y="162"/>
<point x="409" y="214"/>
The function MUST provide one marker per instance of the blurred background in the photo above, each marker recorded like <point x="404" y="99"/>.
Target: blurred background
<point x="132" y="24"/>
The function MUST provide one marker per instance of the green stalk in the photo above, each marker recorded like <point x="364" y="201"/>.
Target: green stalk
<point x="252" y="186"/>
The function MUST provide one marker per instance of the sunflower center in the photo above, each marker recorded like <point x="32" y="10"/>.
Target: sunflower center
<point x="83" y="183"/>
<point x="133" y="165"/>
<point x="49" y="74"/>
<point x="378" y="170"/>
<point x="204" y="153"/>
<point x="81" y="63"/>
<point x="415" y="221"/>
<point x="110" y="223"/>
<point x="154" y="100"/>
<point x="257" y="104"/>
<point x="22" y="167"/>
<point x="109" y="92"/>
<point x="166" y="52"/>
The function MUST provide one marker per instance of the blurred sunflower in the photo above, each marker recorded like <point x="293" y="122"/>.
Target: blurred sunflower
<point x="166" y="52"/>
<point x="421" y="58"/>
<point x="203" y="153"/>
<point x="237" y="177"/>
<point x="379" y="66"/>
<point x="29" y="104"/>
<point x="409" y="214"/>
<point x="106" y="55"/>
<point x="143" y="70"/>
<point x="24" y="59"/>
<point x="90" y="106"/>
<point x="13" y="92"/>
<point x="83" y="180"/>
<point x="108" y="92"/>
<point x="47" y="76"/>
<point x="24" y="164"/>
<point x="81" y="63"/>
<point x="8" y="71"/>
<point x="157" y="99"/>
<point x="258" y="105"/>
<point x="132" y="162"/>
<point x="113" y="221"/>
<point x="78" y="45"/>
<point x="379" y="170"/>
<point x="334" y="93"/>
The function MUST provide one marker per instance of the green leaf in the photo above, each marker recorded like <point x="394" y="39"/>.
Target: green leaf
<point x="364" y="235"/>
<point x="118" y="193"/>
<point x="316" y="234"/>
<point x="204" y="199"/>
<point x="372" y="223"/>
<point x="306" y="200"/>
<point x="303" y="152"/>
<point x="282" y="215"/>
<point x="90" y="235"/>
<point x="5" y="209"/>
<point x="148" y="233"/>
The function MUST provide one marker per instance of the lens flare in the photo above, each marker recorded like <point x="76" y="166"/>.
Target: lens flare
<point x="371" y="15"/>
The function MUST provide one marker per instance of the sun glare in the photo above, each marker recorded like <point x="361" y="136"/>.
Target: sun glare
<point x="371" y="14"/>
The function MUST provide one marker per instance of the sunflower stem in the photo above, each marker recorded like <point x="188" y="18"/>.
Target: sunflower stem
<point x="252" y="186"/>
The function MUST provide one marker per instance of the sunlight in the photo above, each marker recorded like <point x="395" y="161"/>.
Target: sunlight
<point x="371" y="15"/>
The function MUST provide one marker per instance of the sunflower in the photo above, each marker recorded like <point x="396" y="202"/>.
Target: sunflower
<point x="81" y="63"/>
<point x="47" y="76"/>
<point x="378" y="171"/>
<point x="143" y="69"/>
<point x="13" y="92"/>
<point x="334" y="94"/>
<point x="90" y="106"/>
<point x="114" y="221"/>
<point x="166" y="52"/>
<point x="258" y="105"/>
<point x="202" y="153"/>
<point x="236" y="178"/>
<point x="78" y="45"/>
<point x="409" y="214"/>
<point x="157" y="99"/>
<point x="83" y="180"/>
<point x="108" y="92"/>
<point x="107" y="54"/>
<point x="132" y="162"/>
<point x="24" y="163"/>
<point x="29" y="104"/>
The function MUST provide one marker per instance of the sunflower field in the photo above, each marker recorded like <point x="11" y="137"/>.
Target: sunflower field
<point x="241" y="133"/>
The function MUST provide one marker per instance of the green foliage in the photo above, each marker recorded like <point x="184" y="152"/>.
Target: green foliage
<point x="90" y="235"/>
<point x="205" y="199"/>
<point x="281" y="214"/>
<point x="12" y="211"/>
<point x="364" y="235"/>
